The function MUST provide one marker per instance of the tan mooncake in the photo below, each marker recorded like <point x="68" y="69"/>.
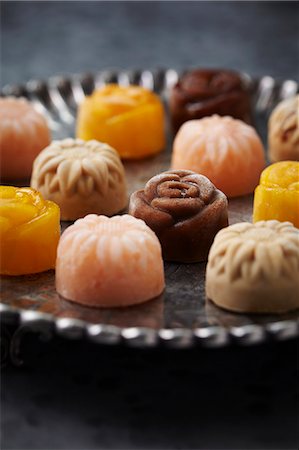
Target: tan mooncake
<point x="254" y="268"/>
<point x="81" y="177"/>
<point x="283" y="131"/>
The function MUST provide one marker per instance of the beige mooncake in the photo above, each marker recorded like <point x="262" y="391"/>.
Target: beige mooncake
<point x="81" y="177"/>
<point x="109" y="262"/>
<point x="283" y="131"/>
<point x="254" y="268"/>
<point x="23" y="134"/>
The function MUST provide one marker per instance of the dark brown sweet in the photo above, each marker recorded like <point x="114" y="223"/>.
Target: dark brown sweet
<point x="185" y="210"/>
<point x="199" y="93"/>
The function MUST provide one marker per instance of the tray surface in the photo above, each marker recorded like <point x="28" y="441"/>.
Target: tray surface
<point x="181" y="316"/>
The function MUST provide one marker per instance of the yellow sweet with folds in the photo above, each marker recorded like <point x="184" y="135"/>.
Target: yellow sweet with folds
<point x="129" y="118"/>
<point x="277" y="196"/>
<point x="29" y="231"/>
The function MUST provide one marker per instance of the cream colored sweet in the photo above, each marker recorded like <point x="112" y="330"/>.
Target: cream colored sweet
<point x="23" y="134"/>
<point x="254" y="268"/>
<point x="109" y="262"/>
<point x="81" y="177"/>
<point x="283" y="131"/>
<point x="227" y="151"/>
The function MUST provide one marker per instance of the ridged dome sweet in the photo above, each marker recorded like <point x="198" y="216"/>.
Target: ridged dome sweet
<point x="81" y="177"/>
<point x="227" y="151"/>
<point x="23" y="134"/>
<point x="283" y="131"/>
<point x="109" y="262"/>
<point x="255" y="267"/>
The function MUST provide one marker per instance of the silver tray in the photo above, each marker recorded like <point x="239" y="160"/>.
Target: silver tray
<point x="181" y="317"/>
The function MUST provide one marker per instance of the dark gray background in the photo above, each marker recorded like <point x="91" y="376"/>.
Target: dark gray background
<point x="72" y="395"/>
<point x="40" y="39"/>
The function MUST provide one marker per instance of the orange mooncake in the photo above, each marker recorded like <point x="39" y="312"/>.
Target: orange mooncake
<point x="23" y="134"/>
<point x="226" y="150"/>
<point x="109" y="262"/>
<point x="29" y="231"/>
<point x="129" y="118"/>
<point x="277" y="195"/>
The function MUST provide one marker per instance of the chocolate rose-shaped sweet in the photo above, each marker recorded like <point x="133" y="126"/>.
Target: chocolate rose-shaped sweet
<point x="199" y="93"/>
<point x="185" y="210"/>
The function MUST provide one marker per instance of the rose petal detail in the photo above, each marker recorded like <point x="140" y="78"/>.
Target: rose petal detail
<point x="185" y="210"/>
<point x="179" y="208"/>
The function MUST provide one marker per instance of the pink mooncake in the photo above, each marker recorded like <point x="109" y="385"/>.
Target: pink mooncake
<point x="23" y="134"/>
<point x="109" y="262"/>
<point x="226" y="150"/>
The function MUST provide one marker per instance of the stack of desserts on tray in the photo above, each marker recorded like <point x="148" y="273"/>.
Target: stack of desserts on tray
<point x="109" y="259"/>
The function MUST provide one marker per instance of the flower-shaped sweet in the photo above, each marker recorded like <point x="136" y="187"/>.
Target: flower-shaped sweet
<point x="255" y="267"/>
<point x="225" y="150"/>
<point x="277" y="196"/>
<point x="283" y="131"/>
<point x="81" y="177"/>
<point x="109" y="262"/>
<point x="29" y="231"/>
<point x="129" y="118"/>
<point x="204" y="92"/>
<point x="185" y="210"/>
<point x="23" y="134"/>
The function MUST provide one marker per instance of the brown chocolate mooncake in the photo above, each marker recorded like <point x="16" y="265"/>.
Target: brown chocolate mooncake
<point x="185" y="210"/>
<point x="204" y="92"/>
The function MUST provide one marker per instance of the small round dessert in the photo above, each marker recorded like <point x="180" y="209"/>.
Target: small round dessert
<point x="185" y="210"/>
<point x="204" y="92"/>
<point x="130" y="119"/>
<point x="283" y="131"/>
<point x="277" y="195"/>
<point x="253" y="268"/>
<point x="23" y="134"/>
<point x="225" y="150"/>
<point x="109" y="262"/>
<point x="29" y="231"/>
<point x="81" y="177"/>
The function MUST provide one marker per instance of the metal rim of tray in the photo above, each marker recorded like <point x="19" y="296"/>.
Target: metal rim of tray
<point x="268" y="90"/>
